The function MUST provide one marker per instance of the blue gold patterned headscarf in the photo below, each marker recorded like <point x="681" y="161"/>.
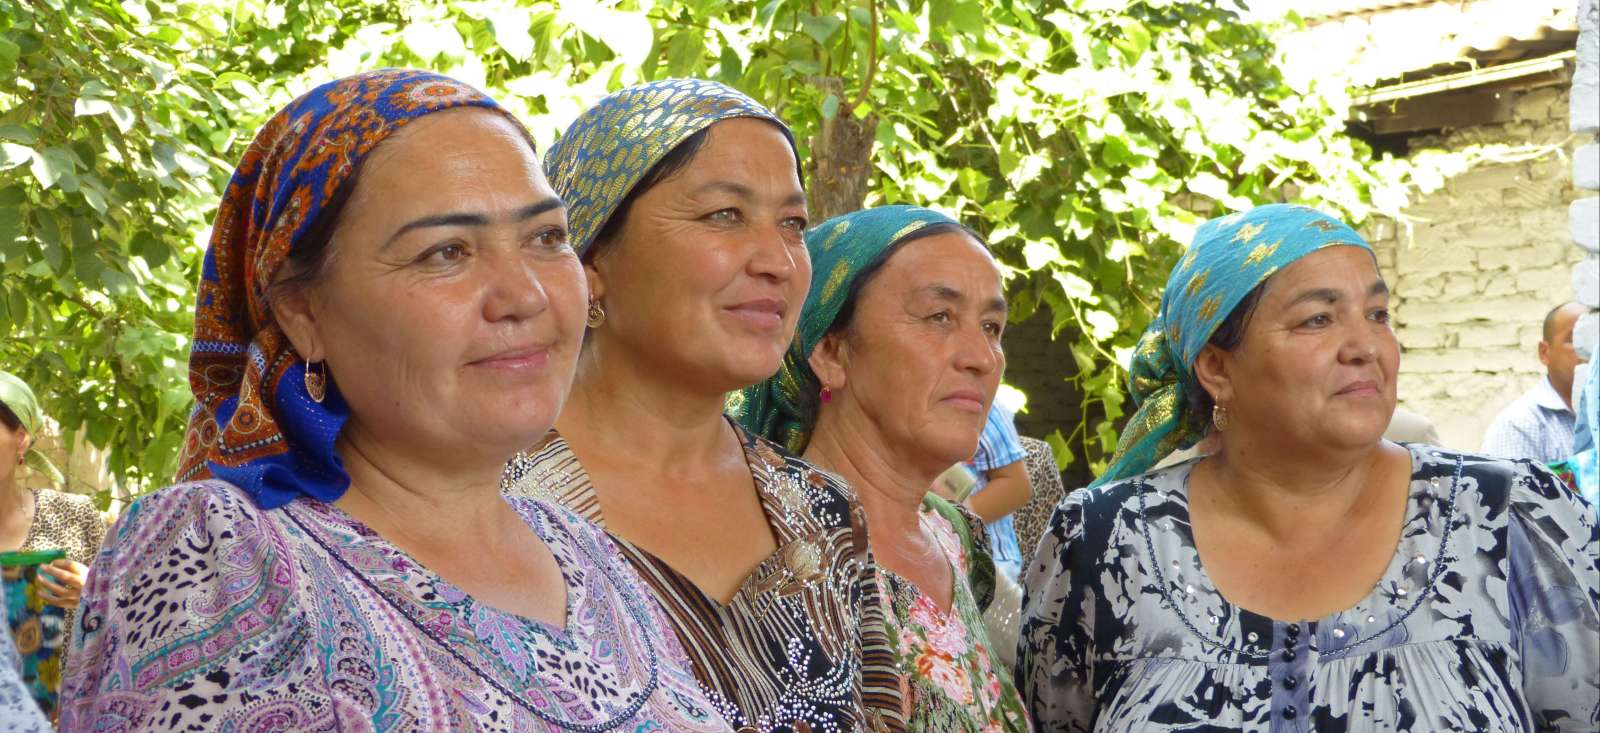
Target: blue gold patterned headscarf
<point x="784" y="407"/>
<point x="612" y="145"/>
<point x="1230" y="256"/>
<point x="254" y="423"/>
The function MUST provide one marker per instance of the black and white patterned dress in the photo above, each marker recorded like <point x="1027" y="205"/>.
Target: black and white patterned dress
<point x="1487" y="619"/>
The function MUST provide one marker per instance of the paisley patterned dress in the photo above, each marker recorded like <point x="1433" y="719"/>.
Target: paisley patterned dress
<point x="954" y="677"/>
<point x="206" y="613"/>
<point x="1487" y="619"/>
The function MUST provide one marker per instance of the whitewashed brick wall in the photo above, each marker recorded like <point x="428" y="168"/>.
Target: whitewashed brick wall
<point x="1584" y="215"/>
<point x="1489" y="255"/>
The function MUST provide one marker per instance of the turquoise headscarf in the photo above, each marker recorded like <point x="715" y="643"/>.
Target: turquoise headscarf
<point x="784" y="407"/>
<point x="1230" y="256"/>
<point x="612" y="145"/>
<point x="18" y="397"/>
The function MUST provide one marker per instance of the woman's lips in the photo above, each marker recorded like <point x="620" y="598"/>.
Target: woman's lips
<point x="517" y="359"/>
<point x="965" y="400"/>
<point x="761" y="312"/>
<point x="1364" y="388"/>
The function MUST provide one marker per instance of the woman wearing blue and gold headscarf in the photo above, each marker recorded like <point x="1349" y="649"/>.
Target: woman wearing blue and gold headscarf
<point x="1307" y="574"/>
<point x="687" y="210"/>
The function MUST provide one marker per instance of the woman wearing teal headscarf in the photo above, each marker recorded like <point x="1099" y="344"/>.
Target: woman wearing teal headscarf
<point x="40" y="613"/>
<point x="686" y="206"/>
<point x="1307" y="574"/>
<point x="887" y="384"/>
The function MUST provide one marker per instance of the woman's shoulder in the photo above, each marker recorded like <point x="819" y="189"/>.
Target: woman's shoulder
<point x="62" y="501"/>
<point x="1496" y="482"/>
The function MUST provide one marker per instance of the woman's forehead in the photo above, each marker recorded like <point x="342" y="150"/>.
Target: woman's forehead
<point x="1338" y="268"/>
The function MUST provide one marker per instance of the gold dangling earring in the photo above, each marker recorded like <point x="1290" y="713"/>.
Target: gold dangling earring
<point x="1219" y="417"/>
<point x="597" y="314"/>
<point x="317" y="382"/>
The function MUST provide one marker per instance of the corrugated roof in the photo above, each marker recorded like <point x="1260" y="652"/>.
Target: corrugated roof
<point x="1374" y="40"/>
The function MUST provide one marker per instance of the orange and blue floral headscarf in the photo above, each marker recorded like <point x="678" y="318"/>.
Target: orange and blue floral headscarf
<point x="253" y="423"/>
<point x="1230" y="256"/>
<point x="784" y="408"/>
<point x="612" y="145"/>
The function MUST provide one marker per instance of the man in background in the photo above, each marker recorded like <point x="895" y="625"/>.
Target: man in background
<point x="1538" y="425"/>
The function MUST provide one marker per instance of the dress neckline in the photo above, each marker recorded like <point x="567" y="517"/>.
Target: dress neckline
<point x="784" y="500"/>
<point x="571" y="638"/>
<point x="1393" y="598"/>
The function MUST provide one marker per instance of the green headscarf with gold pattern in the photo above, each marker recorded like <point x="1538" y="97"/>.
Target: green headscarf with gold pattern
<point x="784" y="407"/>
<point x="18" y="397"/>
<point x="1230" y="256"/>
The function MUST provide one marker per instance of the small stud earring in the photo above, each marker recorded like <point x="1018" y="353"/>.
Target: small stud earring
<point x="827" y="395"/>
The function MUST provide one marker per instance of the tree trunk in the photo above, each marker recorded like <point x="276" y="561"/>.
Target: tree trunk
<point x="841" y="157"/>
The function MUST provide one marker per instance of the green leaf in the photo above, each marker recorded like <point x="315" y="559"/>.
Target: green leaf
<point x="51" y="165"/>
<point x="820" y="28"/>
<point x="18" y="134"/>
<point x="13" y="155"/>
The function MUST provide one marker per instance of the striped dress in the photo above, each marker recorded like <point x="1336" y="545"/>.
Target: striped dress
<point x="802" y="647"/>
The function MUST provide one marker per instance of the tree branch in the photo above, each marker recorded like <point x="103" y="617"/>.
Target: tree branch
<point x="872" y="56"/>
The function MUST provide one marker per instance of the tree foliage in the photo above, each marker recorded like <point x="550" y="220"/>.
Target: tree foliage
<point x="1083" y="138"/>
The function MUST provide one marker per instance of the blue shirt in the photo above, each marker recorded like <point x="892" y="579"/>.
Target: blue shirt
<point x="999" y="445"/>
<point x="1537" y="426"/>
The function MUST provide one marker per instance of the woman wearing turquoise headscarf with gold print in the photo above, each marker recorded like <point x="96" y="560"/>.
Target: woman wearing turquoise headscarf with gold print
<point x="686" y="207"/>
<point x="889" y="383"/>
<point x="1308" y="574"/>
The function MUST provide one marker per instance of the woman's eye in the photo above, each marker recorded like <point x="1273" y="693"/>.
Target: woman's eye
<point x="1320" y="319"/>
<point x="552" y="238"/>
<point x="797" y="223"/>
<point x="940" y="317"/>
<point x="1381" y="315"/>
<point x="444" y="254"/>
<point x="993" y="329"/>
<point x="724" y="216"/>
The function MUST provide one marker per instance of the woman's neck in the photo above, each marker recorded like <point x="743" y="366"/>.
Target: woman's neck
<point x="1283" y="494"/>
<point x="13" y="498"/>
<point x="662" y="421"/>
<point x="890" y="494"/>
<point x="427" y="501"/>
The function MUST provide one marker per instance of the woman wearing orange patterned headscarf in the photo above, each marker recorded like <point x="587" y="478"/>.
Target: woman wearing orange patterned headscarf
<point x="388" y="310"/>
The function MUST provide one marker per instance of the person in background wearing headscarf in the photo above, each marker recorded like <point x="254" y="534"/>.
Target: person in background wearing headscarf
<point x="687" y="209"/>
<point x="887" y="384"/>
<point x="389" y="309"/>
<point x="1308" y="574"/>
<point x="41" y="520"/>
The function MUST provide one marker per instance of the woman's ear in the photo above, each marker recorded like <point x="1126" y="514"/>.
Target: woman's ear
<point x="297" y="316"/>
<point x="830" y="360"/>
<point x="596" y="281"/>
<point x="1213" y="370"/>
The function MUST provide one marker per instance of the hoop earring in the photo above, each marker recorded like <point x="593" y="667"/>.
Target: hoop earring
<point x="597" y="314"/>
<point x="1219" y="417"/>
<point x="317" y="382"/>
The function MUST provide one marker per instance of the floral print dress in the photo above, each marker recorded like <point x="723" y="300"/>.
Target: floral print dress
<point x="1487" y="619"/>
<point x="955" y="683"/>
<point x="206" y="613"/>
